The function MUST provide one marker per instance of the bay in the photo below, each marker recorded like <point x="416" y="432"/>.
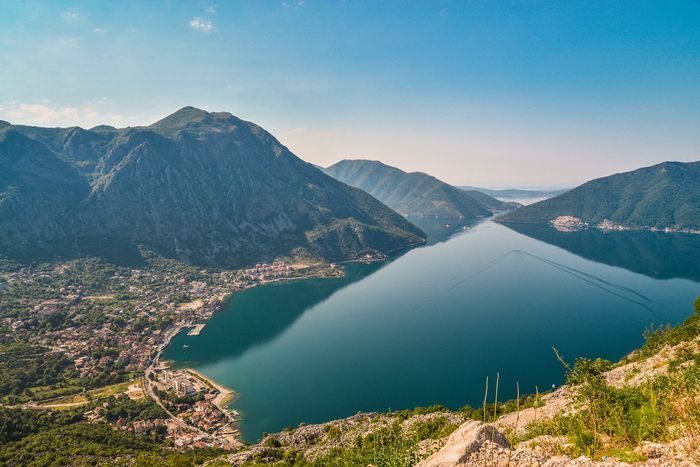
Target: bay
<point x="430" y="325"/>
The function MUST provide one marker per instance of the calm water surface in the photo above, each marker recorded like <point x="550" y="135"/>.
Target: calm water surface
<point x="429" y="326"/>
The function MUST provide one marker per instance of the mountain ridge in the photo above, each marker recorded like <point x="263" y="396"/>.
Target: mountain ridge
<point x="662" y="196"/>
<point x="204" y="187"/>
<point x="515" y="192"/>
<point x="414" y="193"/>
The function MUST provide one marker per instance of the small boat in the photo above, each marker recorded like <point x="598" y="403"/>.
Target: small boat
<point x="185" y="346"/>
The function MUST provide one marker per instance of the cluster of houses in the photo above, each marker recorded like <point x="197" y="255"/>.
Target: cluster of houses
<point x="203" y="413"/>
<point x="127" y="333"/>
<point x="173" y="430"/>
<point x="181" y="383"/>
<point x="204" y="416"/>
<point x="607" y="224"/>
<point x="130" y="330"/>
<point x="196" y="440"/>
<point x="207" y="417"/>
<point x="142" y="427"/>
<point x="130" y="351"/>
<point x="122" y="321"/>
<point x="265" y="271"/>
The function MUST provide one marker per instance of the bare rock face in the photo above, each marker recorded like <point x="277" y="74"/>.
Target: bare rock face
<point x="465" y="441"/>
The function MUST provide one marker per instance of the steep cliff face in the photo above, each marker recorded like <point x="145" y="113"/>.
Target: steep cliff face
<point x="206" y="187"/>
<point x="37" y="191"/>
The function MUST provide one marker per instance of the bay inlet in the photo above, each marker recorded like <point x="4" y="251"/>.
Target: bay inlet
<point x="428" y="326"/>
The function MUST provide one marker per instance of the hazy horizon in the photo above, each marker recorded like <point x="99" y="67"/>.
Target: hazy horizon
<point x="496" y="95"/>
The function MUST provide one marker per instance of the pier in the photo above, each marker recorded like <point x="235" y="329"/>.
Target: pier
<point x="196" y="330"/>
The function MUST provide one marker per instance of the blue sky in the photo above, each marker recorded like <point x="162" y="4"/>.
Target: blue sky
<point x="517" y="93"/>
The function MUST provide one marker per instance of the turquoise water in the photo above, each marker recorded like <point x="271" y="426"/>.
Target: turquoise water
<point x="429" y="326"/>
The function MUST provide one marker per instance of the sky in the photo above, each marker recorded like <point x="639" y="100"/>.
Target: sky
<point x="493" y="93"/>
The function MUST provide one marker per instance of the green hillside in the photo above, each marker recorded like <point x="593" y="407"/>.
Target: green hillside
<point x="666" y="195"/>
<point x="203" y="187"/>
<point x="416" y="193"/>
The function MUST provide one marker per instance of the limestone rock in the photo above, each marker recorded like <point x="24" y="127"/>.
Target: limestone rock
<point x="466" y="440"/>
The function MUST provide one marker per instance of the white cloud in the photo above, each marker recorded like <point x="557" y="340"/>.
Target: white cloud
<point x="201" y="24"/>
<point x="71" y="15"/>
<point x="47" y="115"/>
<point x="99" y="30"/>
<point x="210" y="10"/>
<point x="293" y="5"/>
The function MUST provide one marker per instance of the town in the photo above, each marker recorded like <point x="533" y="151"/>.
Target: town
<point x="99" y="327"/>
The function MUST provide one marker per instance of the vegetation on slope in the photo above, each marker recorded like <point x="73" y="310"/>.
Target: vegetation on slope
<point x="416" y="193"/>
<point x="33" y="438"/>
<point x="205" y="187"/>
<point x="666" y="195"/>
<point x="602" y="421"/>
<point x="613" y="421"/>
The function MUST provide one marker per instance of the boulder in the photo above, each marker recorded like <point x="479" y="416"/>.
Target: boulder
<point x="463" y="442"/>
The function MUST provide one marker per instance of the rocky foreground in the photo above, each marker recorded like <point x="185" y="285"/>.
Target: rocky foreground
<point x="442" y="438"/>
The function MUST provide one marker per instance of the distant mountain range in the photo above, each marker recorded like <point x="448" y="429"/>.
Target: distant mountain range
<point x="664" y="196"/>
<point x="204" y="187"/>
<point x="416" y="193"/>
<point x="516" y="193"/>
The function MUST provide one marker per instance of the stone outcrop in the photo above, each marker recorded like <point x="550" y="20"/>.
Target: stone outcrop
<point x="462" y="443"/>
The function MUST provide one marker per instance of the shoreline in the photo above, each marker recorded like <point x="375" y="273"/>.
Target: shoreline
<point x="173" y="331"/>
<point x="225" y="394"/>
<point x="618" y="228"/>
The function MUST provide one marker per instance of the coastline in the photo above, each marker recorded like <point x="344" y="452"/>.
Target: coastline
<point x="176" y="328"/>
<point x="225" y="394"/>
<point x="617" y="228"/>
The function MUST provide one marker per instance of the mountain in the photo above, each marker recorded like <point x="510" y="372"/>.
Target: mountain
<point x="204" y="187"/>
<point x="663" y="196"/>
<point x="516" y="192"/>
<point x="416" y="193"/>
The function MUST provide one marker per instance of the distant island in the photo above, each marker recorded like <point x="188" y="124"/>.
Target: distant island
<point x="416" y="194"/>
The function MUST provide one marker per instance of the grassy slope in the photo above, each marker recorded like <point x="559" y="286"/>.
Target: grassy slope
<point x="662" y="406"/>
